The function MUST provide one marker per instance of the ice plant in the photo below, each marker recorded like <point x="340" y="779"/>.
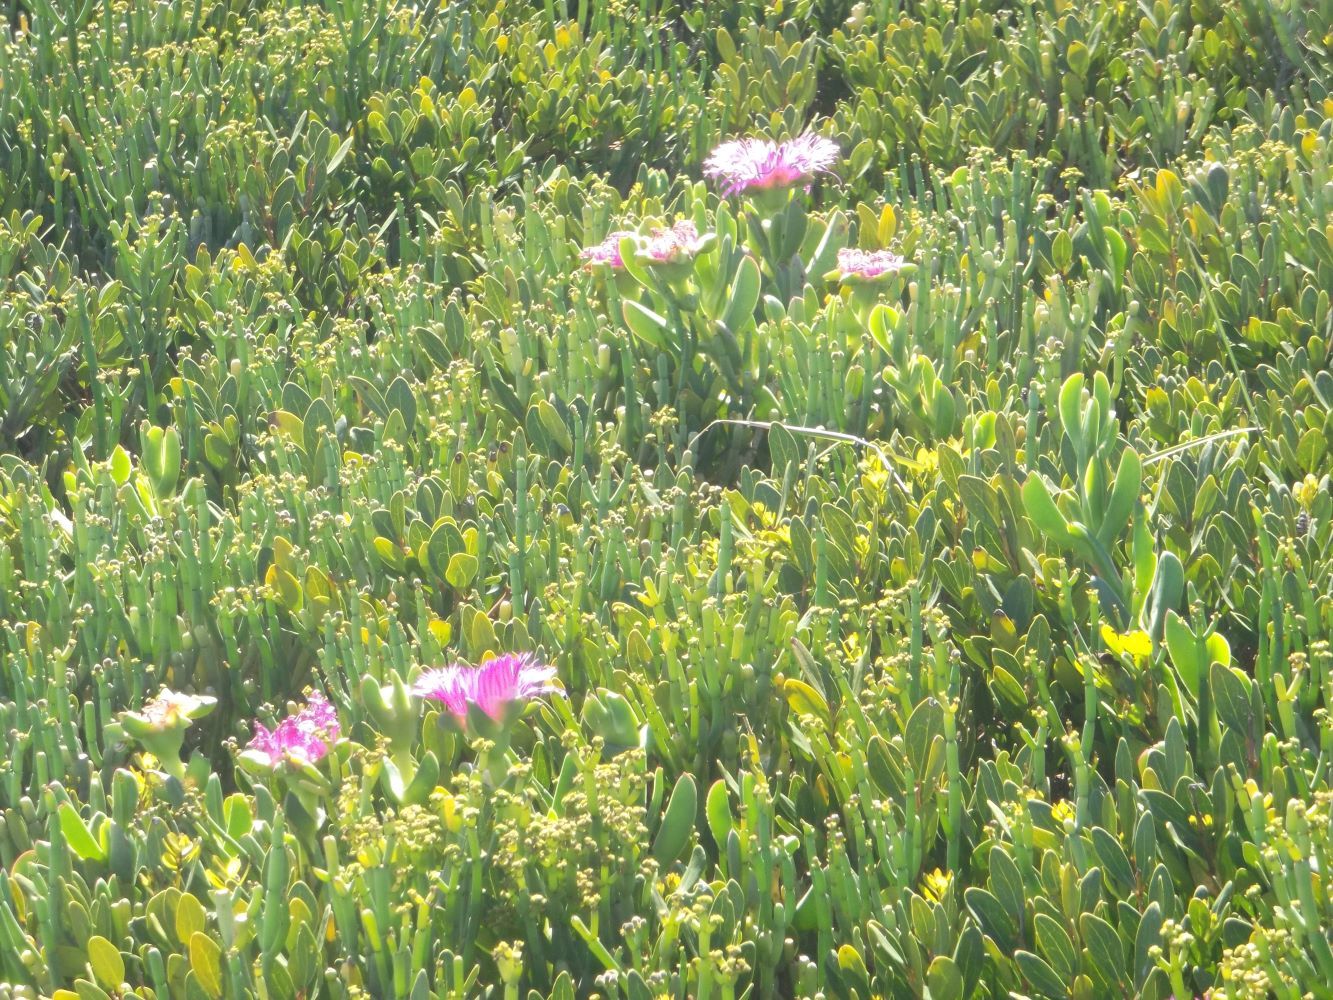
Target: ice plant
<point x="172" y="709"/>
<point x="160" y="726"/>
<point x="493" y="687"/>
<point x="485" y="700"/>
<point x="667" y="246"/>
<point x="303" y="738"/>
<point x="742" y="165"/>
<point x="867" y="265"/>
<point x="287" y="755"/>
<point x="606" y="253"/>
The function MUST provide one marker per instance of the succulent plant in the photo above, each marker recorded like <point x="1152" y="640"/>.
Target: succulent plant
<point x="868" y="466"/>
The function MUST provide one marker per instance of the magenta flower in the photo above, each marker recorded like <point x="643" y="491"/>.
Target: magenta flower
<point x="304" y="737"/>
<point x="492" y="687"/>
<point x="666" y="246"/>
<point x="760" y="164"/>
<point x="854" y="263"/>
<point x="607" y="252"/>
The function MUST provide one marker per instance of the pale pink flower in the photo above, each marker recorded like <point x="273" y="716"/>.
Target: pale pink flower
<point x="305" y="736"/>
<point x="855" y="263"/>
<point x="666" y="246"/>
<point x="169" y="707"/>
<point x="761" y="164"/>
<point x="607" y="252"/>
<point x="495" y="684"/>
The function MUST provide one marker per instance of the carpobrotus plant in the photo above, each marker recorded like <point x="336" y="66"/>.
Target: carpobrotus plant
<point x="288" y="757"/>
<point x="953" y="627"/>
<point x="485" y="701"/>
<point x="606" y="253"/>
<point x="742" y="166"/>
<point x="765" y="174"/>
<point x="670" y="247"/>
<point x="161" y="724"/>
<point x="499" y="688"/>
<point x="300" y="739"/>
<point x="674" y="244"/>
<point x="855" y="266"/>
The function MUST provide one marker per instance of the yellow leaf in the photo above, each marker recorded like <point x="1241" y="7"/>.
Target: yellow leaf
<point x="803" y="699"/>
<point x="888" y="225"/>
<point x="441" y="630"/>
<point x="850" y="958"/>
<point x="206" y="961"/>
<point x="1137" y="644"/>
<point x="190" y="918"/>
<point x="108" y="966"/>
<point x="282" y="551"/>
<point x="844" y="763"/>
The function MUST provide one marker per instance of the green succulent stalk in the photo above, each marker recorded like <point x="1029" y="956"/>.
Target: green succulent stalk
<point x="396" y="712"/>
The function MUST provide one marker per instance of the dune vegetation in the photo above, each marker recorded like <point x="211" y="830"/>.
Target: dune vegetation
<point x="645" y="499"/>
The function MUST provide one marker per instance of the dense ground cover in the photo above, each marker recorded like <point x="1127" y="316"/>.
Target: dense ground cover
<point x="984" y="650"/>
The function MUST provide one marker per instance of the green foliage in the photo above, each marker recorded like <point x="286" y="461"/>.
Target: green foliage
<point x="963" y="632"/>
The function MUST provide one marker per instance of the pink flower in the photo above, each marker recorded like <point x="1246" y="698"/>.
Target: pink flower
<point x="854" y="263"/>
<point x="305" y="736"/>
<point x="607" y="252"/>
<point x="760" y="164"/>
<point x="666" y="246"/>
<point x="491" y="687"/>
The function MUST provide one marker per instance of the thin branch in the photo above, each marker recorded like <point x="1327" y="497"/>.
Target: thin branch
<point x="818" y="432"/>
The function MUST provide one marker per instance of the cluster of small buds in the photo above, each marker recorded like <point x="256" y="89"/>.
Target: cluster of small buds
<point x="421" y="833"/>
<point x="1256" y="968"/>
<point x="730" y="963"/>
<point x="508" y="958"/>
